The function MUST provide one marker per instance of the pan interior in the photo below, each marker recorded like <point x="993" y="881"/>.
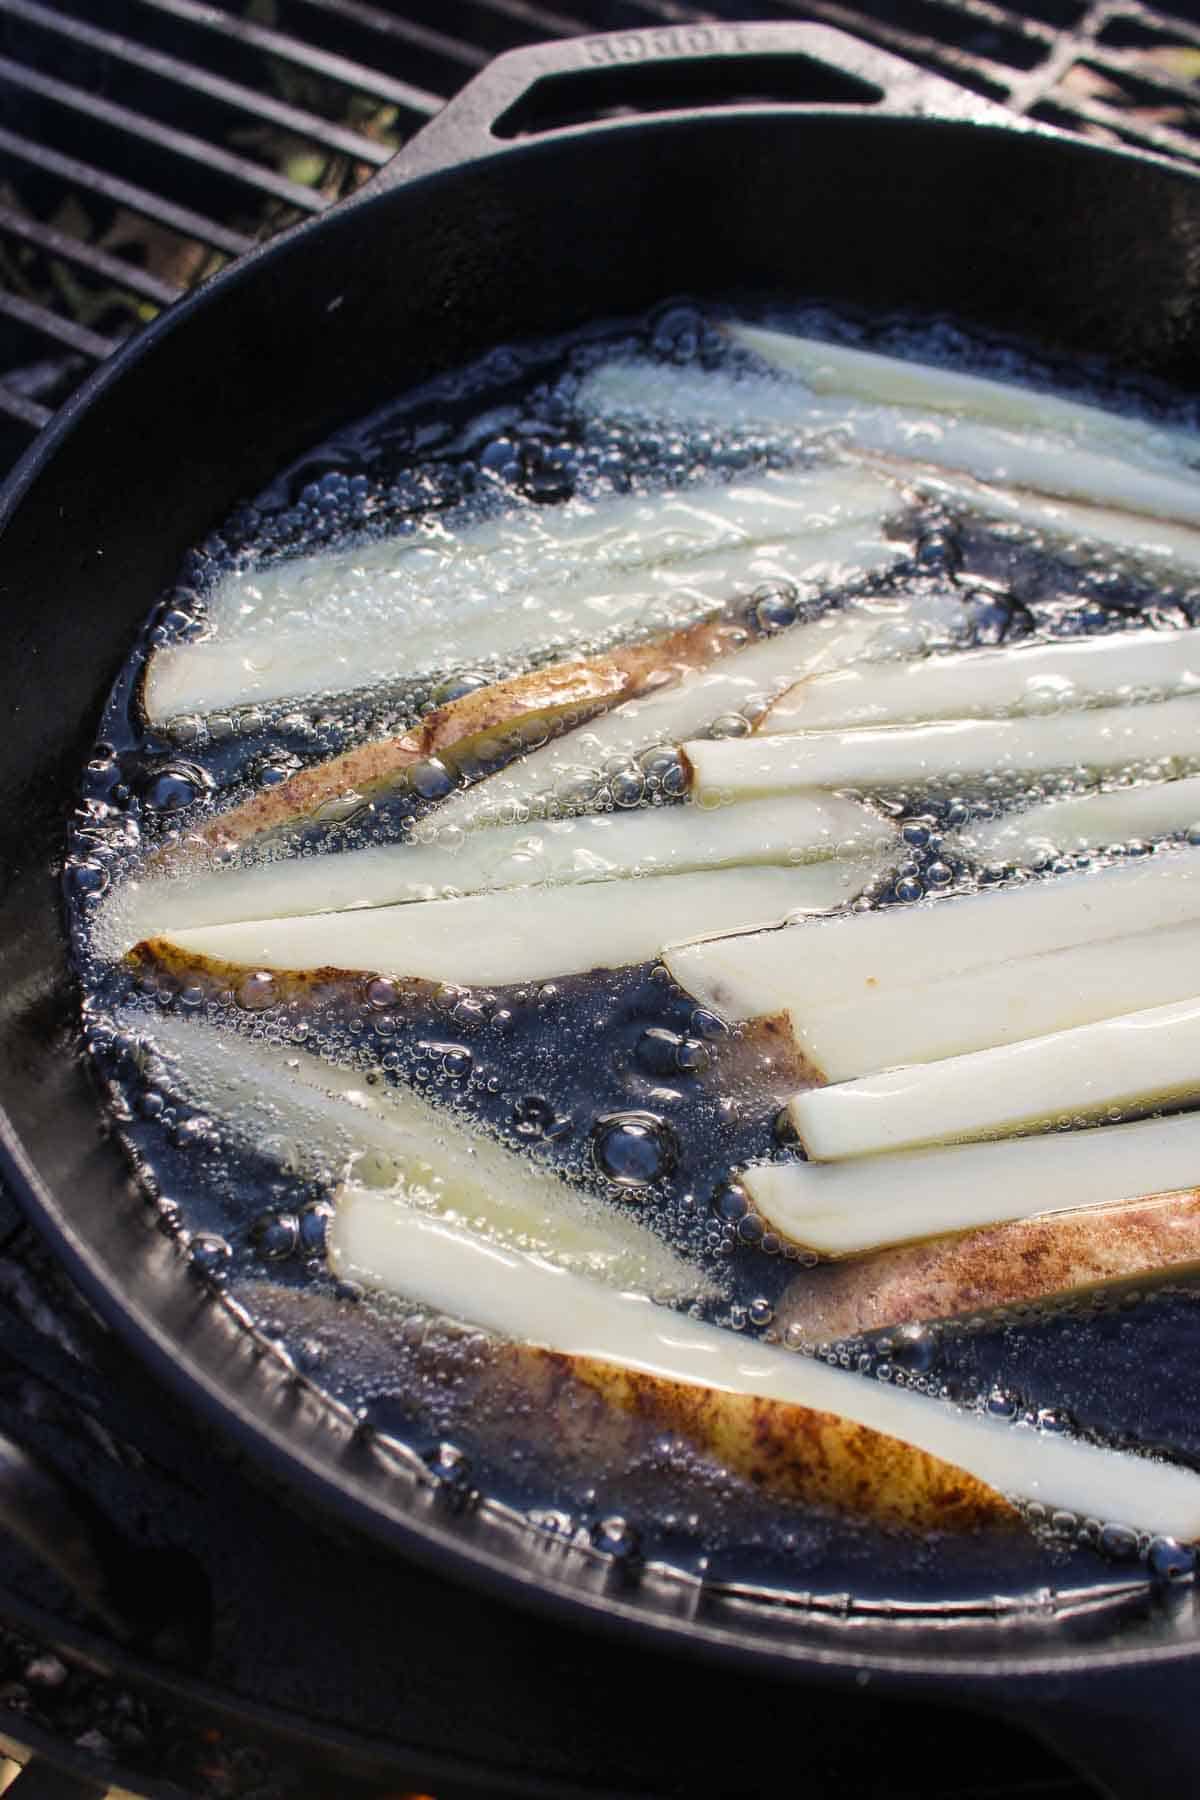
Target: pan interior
<point x="559" y="1070"/>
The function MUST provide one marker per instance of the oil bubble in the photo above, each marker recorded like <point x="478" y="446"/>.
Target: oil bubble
<point x="431" y="779"/>
<point x="634" y="1149"/>
<point x="533" y="1116"/>
<point x="314" y="1228"/>
<point x="1170" y="1562"/>
<point x="775" y="606"/>
<point x="628" y="787"/>
<point x="210" y="1255"/>
<point x="170" y="789"/>
<point x="657" y="1049"/>
<point x="275" y="1235"/>
<point x="258" y="991"/>
<point x="615" y="1537"/>
<point x="732" y="1202"/>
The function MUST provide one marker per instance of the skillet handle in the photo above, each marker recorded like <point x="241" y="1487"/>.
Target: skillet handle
<point x="620" y="77"/>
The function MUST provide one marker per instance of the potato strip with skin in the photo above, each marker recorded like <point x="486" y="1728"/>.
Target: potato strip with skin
<point x="647" y="842"/>
<point x="819" y="964"/>
<point x="559" y="777"/>
<point x="428" y="1262"/>
<point x="945" y="752"/>
<point x="1052" y="677"/>
<point x="1130" y="1064"/>
<point x="525" y="934"/>
<point x="540" y="700"/>
<point x="1014" y="1264"/>
<point x="847" y="1208"/>
<point x="329" y="1120"/>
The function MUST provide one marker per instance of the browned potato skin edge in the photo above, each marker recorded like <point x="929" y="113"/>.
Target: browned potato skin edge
<point x="800" y="1453"/>
<point x="1018" y="1263"/>
<point x="565" y="693"/>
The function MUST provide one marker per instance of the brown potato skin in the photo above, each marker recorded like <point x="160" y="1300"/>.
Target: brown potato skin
<point x="595" y="1419"/>
<point x="550" y="699"/>
<point x="1018" y="1263"/>
<point x="801" y="1454"/>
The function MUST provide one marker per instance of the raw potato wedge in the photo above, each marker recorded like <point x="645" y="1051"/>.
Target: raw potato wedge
<point x="829" y="368"/>
<point x="500" y="590"/>
<point x="846" y="1208"/>
<point x="558" y="777"/>
<point x="571" y="1415"/>
<point x="947" y="752"/>
<point x="1083" y="822"/>
<point x="1079" y="672"/>
<point x="837" y="962"/>
<point x="1001" y="1003"/>
<point x="524" y="934"/>
<point x="1014" y="1264"/>
<point x="531" y="705"/>
<point x="326" y="1119"/>
<point x="1130" y="1064"/>
<point x="1132" y="476"/>
<point x="663" y="840"/>
<point x="867" y="1443"/>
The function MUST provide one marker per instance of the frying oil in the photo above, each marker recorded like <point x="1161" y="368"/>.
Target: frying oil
<point x="616" y="1079"/>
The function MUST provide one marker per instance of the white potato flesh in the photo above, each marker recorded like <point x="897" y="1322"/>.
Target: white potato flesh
<point x="946" y="751"/>
<point x="1129" y="1064"/>
<point x="1001" y="1003"/>
<point x="837" y="962"/>
<point x="667" y="840"/>
<point x="1034" y="678"/>
<point x="553" y="778"/>
<point x="316" y="1117"/>
<point x="585" y="572"/>
<point x="426" y="1261"/>
<point x="529" y="934"/>
<point x="847" y="1208"/>
<point x="828" y="368"/>
<point x="1083" y="822"/>
<point x="1130" y="476"/>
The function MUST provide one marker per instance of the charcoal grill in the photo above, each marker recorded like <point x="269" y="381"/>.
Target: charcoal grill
<point x="143" y="144"/>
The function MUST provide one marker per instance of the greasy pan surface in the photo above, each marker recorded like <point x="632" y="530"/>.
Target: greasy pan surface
<point x="1066" y="244"/>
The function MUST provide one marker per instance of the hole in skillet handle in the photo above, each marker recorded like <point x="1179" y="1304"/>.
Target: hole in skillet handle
<point x="587" y="96"/>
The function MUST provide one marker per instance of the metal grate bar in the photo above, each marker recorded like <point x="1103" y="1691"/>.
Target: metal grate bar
<point x="403" y="30"/>
<point x="1112" y="118"/>
<point x="306" y="56"/>
<point x="163" y="137"/>
<point x="978" y="73"/>
<point x="84" y="177"/>
<point x="539" y="18"/>
<point x="169" y="68"/>
<point x="86" y="256"/>
<point x="63" y="331"/>
<point x="25" y="412"/>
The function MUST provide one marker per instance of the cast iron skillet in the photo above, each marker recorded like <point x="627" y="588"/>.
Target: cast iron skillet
<point x="789" y="160"/>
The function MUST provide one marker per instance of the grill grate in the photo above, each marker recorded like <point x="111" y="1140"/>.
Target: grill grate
<point x="147" y="142"/>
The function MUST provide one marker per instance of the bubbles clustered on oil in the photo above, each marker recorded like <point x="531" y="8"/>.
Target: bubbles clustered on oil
<point x="617" y="1080"/>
